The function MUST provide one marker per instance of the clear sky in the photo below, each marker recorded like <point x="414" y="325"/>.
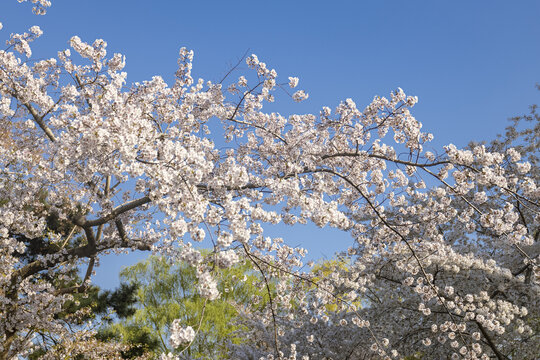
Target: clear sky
<point x="472" y="64"/>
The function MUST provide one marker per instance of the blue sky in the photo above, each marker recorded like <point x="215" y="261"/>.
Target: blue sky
<point x="472" y="64"/>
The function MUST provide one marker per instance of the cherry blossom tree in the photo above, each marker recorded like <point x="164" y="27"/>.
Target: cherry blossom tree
<point x="498" y="309"/>
<point x="444" y="244"/>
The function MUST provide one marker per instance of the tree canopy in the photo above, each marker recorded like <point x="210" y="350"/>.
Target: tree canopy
<point x="444" y="242"/>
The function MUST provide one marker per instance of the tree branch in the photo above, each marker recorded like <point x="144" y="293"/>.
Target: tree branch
<point x="491" y="344"/>
<point x="82" y="222"/>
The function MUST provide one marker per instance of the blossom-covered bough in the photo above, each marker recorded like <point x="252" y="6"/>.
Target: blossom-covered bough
<point x="445" y="255"/>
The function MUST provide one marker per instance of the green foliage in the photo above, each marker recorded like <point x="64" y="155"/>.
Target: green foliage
<point x="121" y="301"/>
<point x="166" y="292"/>
<point x="140" y="339"/>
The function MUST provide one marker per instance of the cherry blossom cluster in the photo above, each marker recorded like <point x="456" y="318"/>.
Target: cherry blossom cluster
<point x="40" y="6"/>
<point x="181" y="336"/>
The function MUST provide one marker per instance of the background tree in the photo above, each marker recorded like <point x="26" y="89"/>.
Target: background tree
<point x="95" y="307"/>
<point x="167" y="292"/>
<point x="88" y="303"/>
